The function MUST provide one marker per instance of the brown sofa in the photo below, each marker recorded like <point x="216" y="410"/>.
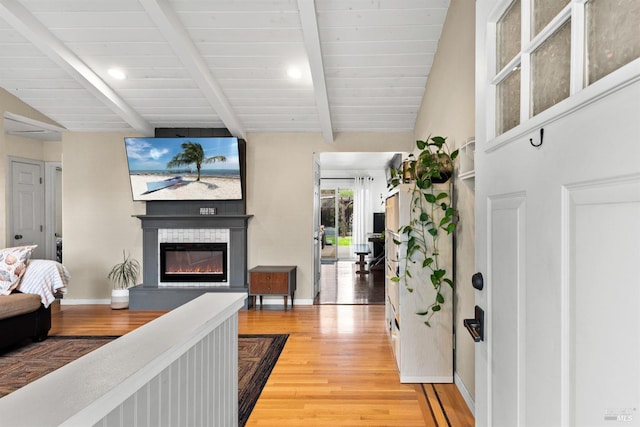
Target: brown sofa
<point x="22" y="316"/>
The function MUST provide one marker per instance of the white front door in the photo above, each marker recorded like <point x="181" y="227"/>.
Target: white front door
<point x="558" y="244"/>
<point x="27" y="206"/>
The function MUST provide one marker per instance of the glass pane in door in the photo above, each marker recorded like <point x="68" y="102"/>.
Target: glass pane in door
<point x="550" y="70"/>
<point x="508" y="41"/>
<point x="328" y="229"/>
<point x="612" y="36"/>
<point x="345" y="223"/>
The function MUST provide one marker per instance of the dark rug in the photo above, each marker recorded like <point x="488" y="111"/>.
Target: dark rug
<point x="257" y="355"/>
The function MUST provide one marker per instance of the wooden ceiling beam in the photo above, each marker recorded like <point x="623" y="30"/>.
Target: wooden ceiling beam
<point x="167" y="21"/>
<point x="311" y="35"/>
<point x="33" y="30"/>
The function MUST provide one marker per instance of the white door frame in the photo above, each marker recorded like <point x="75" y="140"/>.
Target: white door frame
<point x="50" y="191"/>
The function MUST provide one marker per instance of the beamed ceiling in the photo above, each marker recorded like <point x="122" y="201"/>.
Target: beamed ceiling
<point x="221" y="63"/>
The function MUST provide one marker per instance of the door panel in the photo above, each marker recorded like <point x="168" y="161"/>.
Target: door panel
<point x="27" y="203"/>
<point x="604" y="246"/>
<point x="507" y="237"/>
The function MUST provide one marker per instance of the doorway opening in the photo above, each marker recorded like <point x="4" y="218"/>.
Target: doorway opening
<point x="336" y="224"/>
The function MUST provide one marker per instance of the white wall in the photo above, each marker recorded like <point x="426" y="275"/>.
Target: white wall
<point x="448" y="110"/>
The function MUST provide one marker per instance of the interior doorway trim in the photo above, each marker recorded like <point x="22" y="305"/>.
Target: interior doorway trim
<point x="50" y="208"/>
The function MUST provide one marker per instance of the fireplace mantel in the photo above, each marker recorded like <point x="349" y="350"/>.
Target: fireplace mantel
<point x="193" y="221"/>
<point x="237" y="225"/>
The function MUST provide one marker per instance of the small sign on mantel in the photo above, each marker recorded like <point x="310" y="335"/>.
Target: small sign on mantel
<point x="207" y="211"/>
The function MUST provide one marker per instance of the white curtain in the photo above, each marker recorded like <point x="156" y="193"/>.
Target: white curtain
<point x="362" y="210"/>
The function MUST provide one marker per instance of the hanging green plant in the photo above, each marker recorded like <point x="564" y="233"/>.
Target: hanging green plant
<point x="433" y="216"/>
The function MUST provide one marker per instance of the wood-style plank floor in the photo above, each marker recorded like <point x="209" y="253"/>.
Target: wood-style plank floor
<point x="337" y="368"/>
<point x="339" y="284"/>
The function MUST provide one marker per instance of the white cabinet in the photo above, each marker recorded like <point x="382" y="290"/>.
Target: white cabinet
<point x="423" y="354"/>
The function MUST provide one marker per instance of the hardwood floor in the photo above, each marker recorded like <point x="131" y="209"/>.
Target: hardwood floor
<point x="337" y="368"/>
<point x="339" y="284"/>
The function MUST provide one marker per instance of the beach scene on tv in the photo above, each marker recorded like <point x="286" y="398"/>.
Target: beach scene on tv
<point x="184" y="168"/>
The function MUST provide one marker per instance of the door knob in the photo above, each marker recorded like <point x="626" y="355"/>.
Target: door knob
<point x="477" y="281"/>
<point x="18" y="236"/>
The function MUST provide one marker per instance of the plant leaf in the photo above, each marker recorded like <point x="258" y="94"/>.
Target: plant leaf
<point x="436" y="308"/>
<point x="430" y="198"/>
<point x="439" y="298"/>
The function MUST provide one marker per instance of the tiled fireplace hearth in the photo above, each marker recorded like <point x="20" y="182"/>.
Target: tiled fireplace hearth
<point x="156" y="294"/>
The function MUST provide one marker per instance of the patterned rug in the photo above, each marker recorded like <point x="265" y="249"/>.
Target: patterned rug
<point x="257" y="355"/>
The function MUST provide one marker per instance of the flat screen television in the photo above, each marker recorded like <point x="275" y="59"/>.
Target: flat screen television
<point x="184" y="168"/>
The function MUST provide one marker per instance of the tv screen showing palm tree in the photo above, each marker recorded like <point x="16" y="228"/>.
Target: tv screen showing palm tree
<point x="184" y="168"/>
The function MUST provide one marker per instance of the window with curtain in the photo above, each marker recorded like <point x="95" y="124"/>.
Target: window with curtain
<point x="362" y="209"/>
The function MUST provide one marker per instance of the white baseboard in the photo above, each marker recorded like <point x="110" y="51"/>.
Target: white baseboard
<point x="265" y="300"/>
<point x="465" y="393"/>
<point x="73" y="301"/>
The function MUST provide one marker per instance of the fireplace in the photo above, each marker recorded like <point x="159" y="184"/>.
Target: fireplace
<point x="193" y="262"/>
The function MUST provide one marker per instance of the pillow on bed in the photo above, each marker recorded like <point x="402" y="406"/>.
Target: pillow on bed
<point x="13" y="262"/>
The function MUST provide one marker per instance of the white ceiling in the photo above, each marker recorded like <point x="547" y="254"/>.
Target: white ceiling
<point x="221" y="63"/>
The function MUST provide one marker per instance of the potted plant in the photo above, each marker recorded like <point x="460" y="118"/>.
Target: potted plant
<point x="123" y="275"/>
<point x="433" y="215"/>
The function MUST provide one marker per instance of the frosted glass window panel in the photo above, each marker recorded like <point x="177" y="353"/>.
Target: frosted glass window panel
<point x="508" y="41"/>
<point x="544" y="11"/>
<point x="508" y="102"/>
<point x="613" y="36"/>
<point x="550" y="70"/>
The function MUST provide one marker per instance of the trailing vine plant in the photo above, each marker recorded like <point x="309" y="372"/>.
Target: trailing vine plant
<point x="433" y="215"/>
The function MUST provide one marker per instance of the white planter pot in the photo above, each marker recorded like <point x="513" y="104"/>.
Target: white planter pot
<point x="119" y="299"/>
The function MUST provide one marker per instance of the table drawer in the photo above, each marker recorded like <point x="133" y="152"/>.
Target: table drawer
<point x="269" y="283"/>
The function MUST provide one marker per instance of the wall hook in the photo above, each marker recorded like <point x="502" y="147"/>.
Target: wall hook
<point x="541" y="138"/>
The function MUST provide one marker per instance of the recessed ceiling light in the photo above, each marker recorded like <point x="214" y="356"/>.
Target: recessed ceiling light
<point x="117" y="73"/>
<point x="294" y="72"/>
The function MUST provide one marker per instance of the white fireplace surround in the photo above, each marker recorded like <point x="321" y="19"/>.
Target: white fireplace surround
<point x="193" y="235"/>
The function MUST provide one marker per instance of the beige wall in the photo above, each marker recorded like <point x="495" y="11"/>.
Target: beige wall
<point x="97" y="205"/>
<point x="280" y="194"/>
<point x="20" y="147"/>
<point x="448" y="110"/>
<point x="97" y="211"/>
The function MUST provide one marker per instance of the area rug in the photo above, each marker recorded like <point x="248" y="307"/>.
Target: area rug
<point x="257" y="355"/>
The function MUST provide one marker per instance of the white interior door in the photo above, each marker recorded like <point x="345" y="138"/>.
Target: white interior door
<point x="27" y="206"/>
<point x="317" y="243"/>
<point x="558" y="243"/>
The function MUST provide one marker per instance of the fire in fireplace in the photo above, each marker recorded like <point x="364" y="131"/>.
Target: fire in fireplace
<point x="193" y="262"/>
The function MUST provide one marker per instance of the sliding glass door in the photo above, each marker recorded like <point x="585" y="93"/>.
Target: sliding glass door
<point x="336" y="219"/>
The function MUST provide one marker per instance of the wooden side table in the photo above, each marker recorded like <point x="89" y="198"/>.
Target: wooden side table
<point x="272" y="280"/>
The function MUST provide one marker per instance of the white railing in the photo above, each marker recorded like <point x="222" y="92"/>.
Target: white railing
<point x="178" y="370"/>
